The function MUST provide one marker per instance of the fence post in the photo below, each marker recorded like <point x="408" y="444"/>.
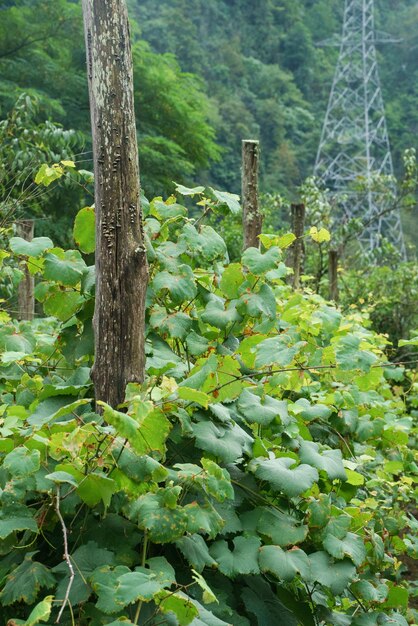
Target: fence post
<point x="251" y="216"/>
<point x="333" y="275"/>
<point x="297" y="249"/>
<point x="26" y="287"/>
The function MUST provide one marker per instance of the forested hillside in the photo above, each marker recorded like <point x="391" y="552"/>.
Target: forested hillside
<point x="267" y="77"/>
<point x="258" y="72"/>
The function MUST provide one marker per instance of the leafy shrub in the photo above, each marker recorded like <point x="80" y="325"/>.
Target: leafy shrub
<point x="389" y="294"/>
<point x="261" y="475"/>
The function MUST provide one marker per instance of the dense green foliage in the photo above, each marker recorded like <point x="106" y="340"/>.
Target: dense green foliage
<point x="42" y="54"/>
<point x="263" y="472"/>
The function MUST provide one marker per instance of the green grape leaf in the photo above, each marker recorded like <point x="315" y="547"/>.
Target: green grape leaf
<point x="163" y="523"/>
<point x="285" y="564"/>
<point x="15" y="523"/>
<point x="282" y="528"/>
<point x="181" y="286"/>
<point x="34" y="248"/>
<point x="62" y="304"/>
<point x="370" y="593"/>
<point x="208" y="596"/>
<point x="66" y="268"/>
<point x="217" y="315"/>
<point x="311" y="411"/>
<point x="262" y="411"/>
<point x="175" y="325"/>
<point x="214" y="480"/>
<point x="86" y="559"/>
<point x="104" y="581"/>
<point x="205" y="242"/>
<point x="349" y="355"/>
<point x="53" y="408"/>
<point x="182" y="607"/>
<point x="351" y="545"/>
<point x="260" y="303"/>
<point x="259" y="263"/>
<point x="22" y="462"/>
<point x="25" y="581"/>
<point x="277" y="351"/>
<point x="231" y="200"/>
<point x="336" y="576"/>
<point x="145" y="434"/>
<point x="62" y="477"/>
<point x="231" y="281"/>
<point x="196" y="344"/>
<point x="263" y="602"/>
<point x="331" y="461"/>
<point x="193" y="395"/>
<point x="84" y="230"/>
<point x="41" y="612"/>
<point x="139" y="585"/>
<point x="227" y="442"/>
<point x="195" y="551"/>
<point x="282" y="478"/>
<point x="243" y="559"/>
<point x="186" y="191"/>
<point x="47" y="174"/>
<point x="96" y="487"/>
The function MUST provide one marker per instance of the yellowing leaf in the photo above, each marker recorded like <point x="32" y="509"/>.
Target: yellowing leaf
<point x="320" y="235"/>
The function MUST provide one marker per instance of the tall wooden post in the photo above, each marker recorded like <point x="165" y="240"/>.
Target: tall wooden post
<point x="333" y="275"/>
<point x="121" y="264"/>
<point x="26" y="288"/>
<point x="297" y="249"/>
<point x="251" y="216"/>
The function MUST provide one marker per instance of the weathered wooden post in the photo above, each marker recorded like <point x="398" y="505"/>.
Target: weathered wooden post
<point x="26" y="287"/>
<point x="297" y="249"/>
<point x="121" y="262"/>
<point x="333" y="257"/>
<point x="251" y="217"/>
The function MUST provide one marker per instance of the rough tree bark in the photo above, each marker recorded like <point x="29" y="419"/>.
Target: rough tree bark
<point x="251" y="216"/>
<point x="26" y="288"/>
<point x="121" y="266"/>
<point x="333" y="275"/>
<point x="297" y="249"/>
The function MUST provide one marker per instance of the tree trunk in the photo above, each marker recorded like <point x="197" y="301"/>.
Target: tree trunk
<point x="333" y="275"/>
<point x="297" y="249"/>
<point x="26" y="288"/>
<point x="252" y="218"/>
<point x="121" y="265"/>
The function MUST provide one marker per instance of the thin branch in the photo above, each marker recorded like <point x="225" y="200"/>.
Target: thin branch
<point x="301" y="369"/>
<point x="66" y="557"/>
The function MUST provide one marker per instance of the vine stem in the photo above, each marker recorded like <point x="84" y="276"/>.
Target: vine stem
<point x="66" y="556"/>
<point x="143" y="560"/>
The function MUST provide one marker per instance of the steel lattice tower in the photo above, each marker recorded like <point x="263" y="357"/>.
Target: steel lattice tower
<point x="354" y="147"/>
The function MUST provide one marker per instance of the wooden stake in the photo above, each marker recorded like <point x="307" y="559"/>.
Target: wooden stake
<point x="333" y="275"/>
<point x="251" y="216"/>
<point x="121" y="261"/>
<point x="25" y="290"/>
<point x="297" y="249"/>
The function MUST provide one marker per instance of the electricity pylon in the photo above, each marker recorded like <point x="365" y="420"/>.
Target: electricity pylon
<point x="354" y="151"/>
